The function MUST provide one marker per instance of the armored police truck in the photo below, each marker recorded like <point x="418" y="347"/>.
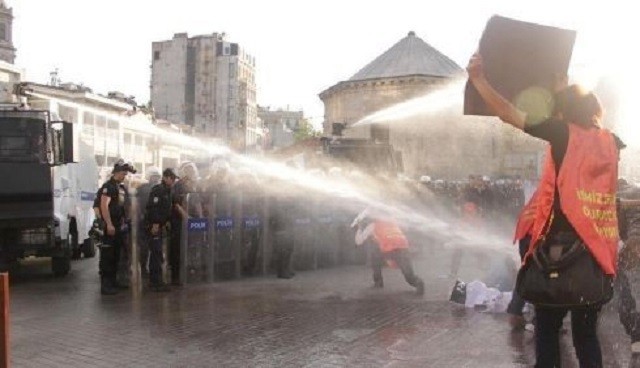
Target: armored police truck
<point x="32" y="149"/>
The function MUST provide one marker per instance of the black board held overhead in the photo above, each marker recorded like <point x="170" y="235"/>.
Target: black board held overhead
<point x="518" y="56"/>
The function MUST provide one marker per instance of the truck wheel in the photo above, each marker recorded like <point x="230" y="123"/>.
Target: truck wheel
<point x="60" y="266"/>
<point x="89" y="248"/>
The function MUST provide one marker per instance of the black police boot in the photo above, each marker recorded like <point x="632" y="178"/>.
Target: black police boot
<point x="120" y="285"/>
<point x="106" y="288"/>
<point x="420" y="287"/>
<point x="286" y="275"/>
<point x="159" y="288"/>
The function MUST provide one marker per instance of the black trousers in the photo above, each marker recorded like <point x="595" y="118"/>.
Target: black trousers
<point x="174" y="252"/>
<point x="585" y="338"/>
<point x="156" y="259"/>
<point x="110" y="256"/>
<point x="400" y="257"/>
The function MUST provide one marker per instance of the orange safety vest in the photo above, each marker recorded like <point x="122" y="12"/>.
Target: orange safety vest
<point x="587" y="183"/>
<point x="389" y="236"/>
<point x="526" y="219"/>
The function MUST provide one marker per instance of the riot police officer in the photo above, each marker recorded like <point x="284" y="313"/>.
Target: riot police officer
<point x="113" y="196"/>
<point x="158" y="214"/>
<point x="153" y="177"/>
<point x="186" y="203"/>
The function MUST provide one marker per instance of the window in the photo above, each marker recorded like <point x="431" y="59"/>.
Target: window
<point x="87" y="124"/>
<point x="156" y="55"/>
<point x="3" y="32"/>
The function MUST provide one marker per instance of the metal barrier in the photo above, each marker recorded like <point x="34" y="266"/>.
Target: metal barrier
<point x="4" y="320"/>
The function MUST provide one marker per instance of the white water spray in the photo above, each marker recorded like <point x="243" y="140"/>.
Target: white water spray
<point x="446" y="97"/>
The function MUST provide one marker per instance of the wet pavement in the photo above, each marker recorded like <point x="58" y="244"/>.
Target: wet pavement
<point x="325" y="318"/>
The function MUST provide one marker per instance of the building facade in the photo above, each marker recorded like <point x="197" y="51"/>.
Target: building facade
<point x="207" y="83"/>
<point x="10" y="75"/>
<point x="106" y="129"/>
<point x="281" y="126"/>
<point x="440" y="143"/>
<point x="7" y="51"/>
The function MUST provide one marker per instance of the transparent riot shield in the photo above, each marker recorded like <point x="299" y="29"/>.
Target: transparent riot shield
<point x="282" y="239"/>
<point x="303" y="234"/>
<point x="128" y="265"/>
<point x="251" y="232"/>
<point x="195" y="248"/>
<point x="225" y="224"/>
<point x="266" y="239"/>
<point x="326" y="239"/>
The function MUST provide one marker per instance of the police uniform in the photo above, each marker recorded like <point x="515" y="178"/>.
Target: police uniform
<point x="112" y="244"/>
<point x="158" y="212"/>
<point x="142" y="195"/>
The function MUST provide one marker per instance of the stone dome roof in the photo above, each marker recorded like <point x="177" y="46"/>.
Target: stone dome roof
<point x="410" y="56"/>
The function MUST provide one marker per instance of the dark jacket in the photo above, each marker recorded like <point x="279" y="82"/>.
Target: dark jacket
<point x="159" y="205"/>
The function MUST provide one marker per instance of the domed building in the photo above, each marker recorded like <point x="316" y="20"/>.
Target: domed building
<point x="435" y="139"/>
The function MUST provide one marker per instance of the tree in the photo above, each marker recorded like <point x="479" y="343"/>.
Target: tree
<point x="304" y="130"/>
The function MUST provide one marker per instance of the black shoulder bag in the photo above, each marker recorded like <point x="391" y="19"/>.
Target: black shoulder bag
<point x="563" y="275"/>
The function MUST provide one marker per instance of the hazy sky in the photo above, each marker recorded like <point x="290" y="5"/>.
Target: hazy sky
<point x="301" y="47"/>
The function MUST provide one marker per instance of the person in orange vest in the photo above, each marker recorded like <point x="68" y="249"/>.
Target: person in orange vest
<point x="576" y="199"/>
<point x="387" y="243"/>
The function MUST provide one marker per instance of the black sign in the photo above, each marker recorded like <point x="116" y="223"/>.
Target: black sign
<point x="520" y="58"/>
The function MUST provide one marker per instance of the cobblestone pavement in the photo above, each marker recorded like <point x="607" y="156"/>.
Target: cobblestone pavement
<point x="324" y="318"/>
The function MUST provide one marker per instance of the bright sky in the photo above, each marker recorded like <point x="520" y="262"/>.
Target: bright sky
<point x="301" y="47"/>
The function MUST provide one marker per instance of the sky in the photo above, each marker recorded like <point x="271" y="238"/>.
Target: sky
<point x="301" y="47"/>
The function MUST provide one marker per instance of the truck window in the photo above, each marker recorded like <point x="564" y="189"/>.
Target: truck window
<point x="22" y="140"/>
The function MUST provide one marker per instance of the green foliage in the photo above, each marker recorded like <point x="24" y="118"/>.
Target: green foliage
<point x="305" y="130"/>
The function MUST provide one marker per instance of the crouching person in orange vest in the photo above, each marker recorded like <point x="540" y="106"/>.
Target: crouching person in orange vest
<point x="387" y="243"/>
